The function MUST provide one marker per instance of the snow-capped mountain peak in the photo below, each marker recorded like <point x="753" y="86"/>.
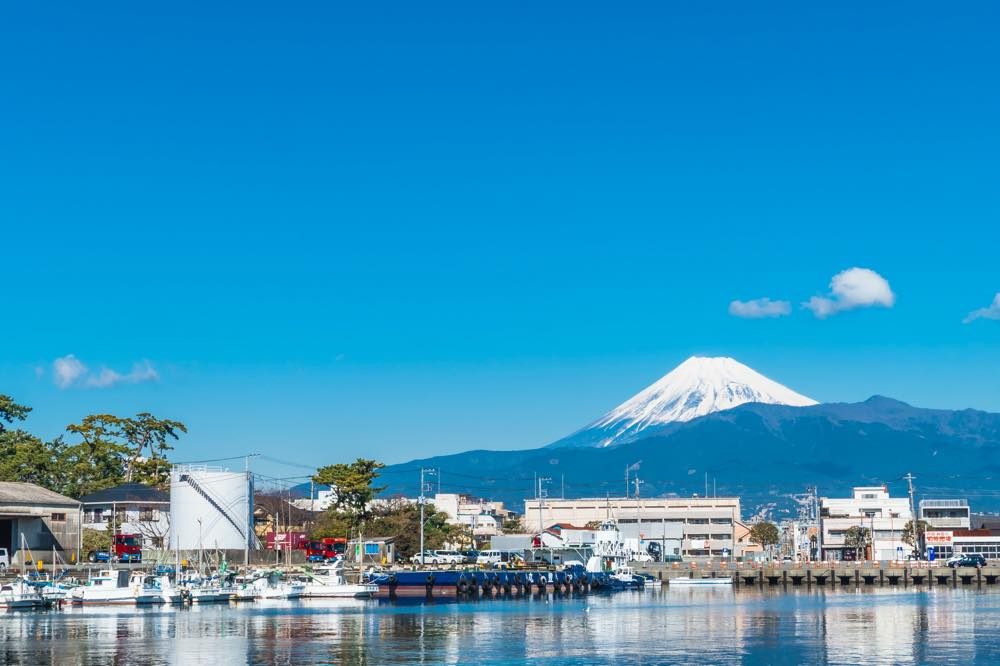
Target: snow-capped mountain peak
<point x="698" y="386"/>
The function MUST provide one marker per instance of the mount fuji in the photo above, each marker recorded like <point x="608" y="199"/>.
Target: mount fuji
<point x="697" y="387"/>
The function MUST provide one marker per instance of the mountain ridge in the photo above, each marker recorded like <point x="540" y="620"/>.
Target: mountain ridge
<point x="698" y="386"/>
<point x="761" y="452"/>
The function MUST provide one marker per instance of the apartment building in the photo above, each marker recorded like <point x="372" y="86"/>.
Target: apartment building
<point x="871" y="508"/>
<point x="708" y="524"/>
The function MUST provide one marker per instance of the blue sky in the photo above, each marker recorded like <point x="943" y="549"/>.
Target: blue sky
<point x="405" y="229"/>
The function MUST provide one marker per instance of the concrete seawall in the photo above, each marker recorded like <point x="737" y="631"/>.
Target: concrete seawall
<point x="829" y="574"/>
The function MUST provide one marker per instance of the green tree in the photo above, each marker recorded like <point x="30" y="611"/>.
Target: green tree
<point x="94" y="540"/>
<point x="402" y="521"/>
<point x="913" y="533"/>
<point x="856" y="539"/>
<point x="141" y="441"/>
<point x="10" y="411"/>
<point x="764" y="534"/>
<point x="352" y="487"/>
<point x="23" y="456"/>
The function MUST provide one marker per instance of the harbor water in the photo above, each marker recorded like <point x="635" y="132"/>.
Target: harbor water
<point x="704" y="626"/>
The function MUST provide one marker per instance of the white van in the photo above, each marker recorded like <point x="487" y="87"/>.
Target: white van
<point x="4" y="559"/>
<point x="501" y="559"/>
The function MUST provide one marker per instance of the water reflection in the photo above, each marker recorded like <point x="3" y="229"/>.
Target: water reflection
<point x="878" y="625"/>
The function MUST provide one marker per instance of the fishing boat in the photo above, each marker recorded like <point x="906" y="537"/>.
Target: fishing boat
<point x="202" y="590"/>
<point x="20" y="595"/>
<point x="329" y="582"/>
<point x="122" y="587"/>
<point x="272" y="586"/>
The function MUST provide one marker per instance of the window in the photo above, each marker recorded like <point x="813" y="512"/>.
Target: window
<point x="722" y="521"/>
<point x="157" y="541"/>
<point x="58" y="517"/>
<point x="697" y="521"/>
<point x="93" y="516"/>
<point x="722" y="537"/>
<point x="148" y="515"/>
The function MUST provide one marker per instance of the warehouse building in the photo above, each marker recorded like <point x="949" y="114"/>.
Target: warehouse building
<point x="35" y="522"/>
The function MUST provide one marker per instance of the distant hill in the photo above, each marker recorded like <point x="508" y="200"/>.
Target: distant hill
<point x="762" y="452"/>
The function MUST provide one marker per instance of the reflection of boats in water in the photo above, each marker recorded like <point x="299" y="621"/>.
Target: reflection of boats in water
<point x="699" y="582"/>
<point x="329" y="582"/>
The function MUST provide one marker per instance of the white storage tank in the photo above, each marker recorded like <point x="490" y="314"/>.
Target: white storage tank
<point x="210" y="507"/>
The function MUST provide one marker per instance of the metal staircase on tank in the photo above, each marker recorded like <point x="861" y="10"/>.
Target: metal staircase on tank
<point x="187" y="478"/>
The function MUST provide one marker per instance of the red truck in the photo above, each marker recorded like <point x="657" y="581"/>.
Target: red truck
<point x="325" y="549"/>
<point x="124" y="548"/>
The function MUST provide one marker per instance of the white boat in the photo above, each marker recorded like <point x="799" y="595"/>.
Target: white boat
<point x="272" y="586"/>
<point x="125" y="588"/>
<point x="20" y="595"/>
<point x="700" y="581"/>
<point x="207" y="590"/>
<point x="329" y="582"/>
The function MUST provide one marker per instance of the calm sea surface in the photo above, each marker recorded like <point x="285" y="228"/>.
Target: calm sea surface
<point x="669" y="626"/>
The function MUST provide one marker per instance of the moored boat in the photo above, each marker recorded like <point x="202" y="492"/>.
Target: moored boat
<point x="122" y="587"/>
<point x="329" y="582"/>
<point x="20" y="595"/>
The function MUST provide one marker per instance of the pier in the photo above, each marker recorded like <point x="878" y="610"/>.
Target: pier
<point x="828" y="574"/>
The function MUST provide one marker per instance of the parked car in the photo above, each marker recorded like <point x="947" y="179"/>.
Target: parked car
<point x="428" y="555"/>
<point x="967" y="560"/>
<point x="501" y="559"/>
<point x="4" y="559"/>
<point x="470" y="556"/>
<point x="439" y="557"/>
<point x="99" y="556"/>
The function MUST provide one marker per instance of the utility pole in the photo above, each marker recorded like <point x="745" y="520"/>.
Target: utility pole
<point x="918" y="538"/>
<point x="638" y="508"/>
<point x="424" y="487"/>
<point x="542" y="494"/>
<point x="706" y="484"/>
<point x="248" y="541"/>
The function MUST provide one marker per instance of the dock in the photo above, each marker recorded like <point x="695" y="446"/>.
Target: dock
<point x="828" y="574"/>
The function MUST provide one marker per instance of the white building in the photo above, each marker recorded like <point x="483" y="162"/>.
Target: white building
<point x="485" y="518"/>
<point x="948" y="514"/>
<point x="871" y="508"/>
<point x="707" y="524"/>
<point x="134" y="507"/>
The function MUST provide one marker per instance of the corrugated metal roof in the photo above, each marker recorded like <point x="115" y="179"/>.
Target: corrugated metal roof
<point x="28" y="493"/>
<point x="127" y="492"/>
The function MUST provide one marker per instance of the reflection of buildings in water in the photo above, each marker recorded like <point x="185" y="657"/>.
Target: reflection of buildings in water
<point x="870" y="626"/>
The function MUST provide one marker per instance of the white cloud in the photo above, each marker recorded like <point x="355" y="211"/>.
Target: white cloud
<point x="69" y="372"/>
<point x="992" y="311"/>
<point x="759" y="308"/>
<point x="850" y="289"/>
